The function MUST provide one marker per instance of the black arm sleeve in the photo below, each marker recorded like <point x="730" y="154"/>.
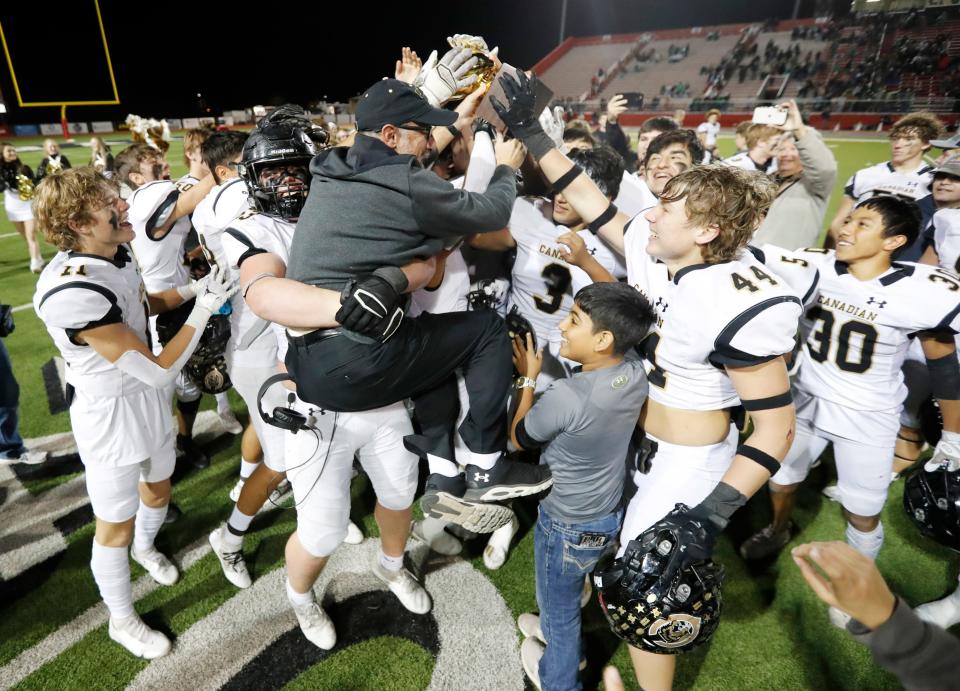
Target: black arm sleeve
<point x="526" y="441"/>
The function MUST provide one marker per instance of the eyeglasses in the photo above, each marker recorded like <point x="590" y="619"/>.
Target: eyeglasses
<point x="425" y="131"/>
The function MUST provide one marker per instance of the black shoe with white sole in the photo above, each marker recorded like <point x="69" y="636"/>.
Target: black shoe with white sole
<point x="443" y="499"/>
<point x="507" y="479"/>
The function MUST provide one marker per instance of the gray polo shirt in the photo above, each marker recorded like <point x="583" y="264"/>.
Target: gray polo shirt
<point x="585" y="423"/>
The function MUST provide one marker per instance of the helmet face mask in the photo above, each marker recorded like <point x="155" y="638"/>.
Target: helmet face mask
<point x="282" y="142"/>
<point x="651" y="612"/>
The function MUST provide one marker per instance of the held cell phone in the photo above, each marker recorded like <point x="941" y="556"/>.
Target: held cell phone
<point x="769" y="115"/>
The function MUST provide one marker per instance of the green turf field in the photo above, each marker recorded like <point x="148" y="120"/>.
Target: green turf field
<point x="775" y="633"/>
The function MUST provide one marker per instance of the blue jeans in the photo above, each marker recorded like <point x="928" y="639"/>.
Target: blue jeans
<point x="11" y="444"/>
<point x="564" y="554"/>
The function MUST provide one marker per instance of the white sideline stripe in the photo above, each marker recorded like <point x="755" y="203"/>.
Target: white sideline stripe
<point x="8" y="235"/>
<point x="20" y="308"/>
<point x="32" y="659"/>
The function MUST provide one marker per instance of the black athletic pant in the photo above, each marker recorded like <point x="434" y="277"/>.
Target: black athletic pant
<point x="418" y="362"/>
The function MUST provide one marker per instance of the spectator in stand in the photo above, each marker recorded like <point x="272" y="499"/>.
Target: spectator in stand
<point x="100" y="157"/>
<point x="760" y="141"/>
<point x="53" y="162"/>
<point x="806" y="173"/>
<point x="613" y="134"/>
<point x="649" y="131"/>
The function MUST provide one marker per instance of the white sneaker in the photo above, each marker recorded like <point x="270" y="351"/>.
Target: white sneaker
<point x="838" y="618"/>
<point x="944" y="612"/>
<point x="529" y="625"/>
<point x="232" y="563"/>
<point x="442" y="543"/>
<point x="138" y="638"/>
<point x="531" y="650"/>
<point x="354" y="534"/>
<point x="36" y="265"/>
<point x="586" y="593"/>
<point x="831" y="492"/>
<point x="235" y="492"/>
<point x="407" y="589"/>
<point x="316" y="625"/>
<point x="29" y="457"/>
<point x="280" y="493"/>
<point x="230" y="422"/>
<point x="498" y="546"/>
<point x="156" y="564"/>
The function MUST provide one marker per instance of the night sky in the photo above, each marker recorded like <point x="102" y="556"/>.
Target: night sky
<point x="289" y="51"/>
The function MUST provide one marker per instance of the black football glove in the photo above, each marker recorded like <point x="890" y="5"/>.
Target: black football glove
<point x="370" y="305"/>
<point x="520" y="114"/>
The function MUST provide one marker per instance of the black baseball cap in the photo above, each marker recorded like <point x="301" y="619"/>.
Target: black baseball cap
<point x="392" y="102"/>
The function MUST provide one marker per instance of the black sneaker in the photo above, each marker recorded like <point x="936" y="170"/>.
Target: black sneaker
<point x="173" y="513"/>
<point x="192" y="452"/>
<point x="507" y="479"/>
<point x="442" y="500"/>
<point x="767" y="543"/>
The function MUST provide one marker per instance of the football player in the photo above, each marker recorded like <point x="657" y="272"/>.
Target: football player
<point x="93" y="302"/>
<point x="708" y="131"/>
<point x="321" y="451"/>
<point x="542" y="283"/>
<point x="865" y="310"/>
<point x="905" y="174"/>
<point x="760" y="141"/>
<point x="159" y="212"/>
<point x="723" y="324"/>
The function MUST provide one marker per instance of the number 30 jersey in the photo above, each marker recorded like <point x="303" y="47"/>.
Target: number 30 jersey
<point x="709" y="317"/>
<point x="543" y="284"/>
<point x="859" y="331"/>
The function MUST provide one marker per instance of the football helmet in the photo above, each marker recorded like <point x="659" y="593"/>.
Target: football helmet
<point x="488" y="294"/>
<point x="518" y="325"/>
<point x="207" y="367"/>
<point x="285" y="141"/>
<point x="931" y="421"/>
<point x="663" y="594"/>
<point x="931" y="497"/>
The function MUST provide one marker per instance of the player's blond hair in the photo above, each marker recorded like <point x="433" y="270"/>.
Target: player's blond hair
<point x="757" y="133"/>
<point x="69" y="195"/>
<point x="712" y="111"/>
<point x="193" y="139"/>
<point x="734" y="200"/>
<point x="925" y="125"/>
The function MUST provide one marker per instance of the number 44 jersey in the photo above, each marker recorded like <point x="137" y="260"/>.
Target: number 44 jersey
<point x="859" y="331"/>
<point x="543" y="285"/>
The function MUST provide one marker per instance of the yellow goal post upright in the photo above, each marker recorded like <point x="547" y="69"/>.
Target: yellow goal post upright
<point x="63" y="104"/>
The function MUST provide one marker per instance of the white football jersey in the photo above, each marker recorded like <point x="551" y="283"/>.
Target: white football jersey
<point x="543" y="284"/>
<point x="743" y="161"/>
<point x="946" y="238"/>
<point x="254" y="233"/>
<point x="634" y="196"/>
<point x="711" y="130"/>
<point x="224" y="203"/>
<point x="884" y="178"/>
<point x="709" y="316"/>
<point x="161" y="260"/>
<point x="79" y="291"/>
<point x="860" y="330"/>
<point x="450" y="295"/>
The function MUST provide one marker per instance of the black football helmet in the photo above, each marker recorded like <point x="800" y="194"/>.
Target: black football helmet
<point x="931" y="421"/>
<point x="286" y="138"/>
<point x="651" y="603"/>
<point x="931" y="497"/>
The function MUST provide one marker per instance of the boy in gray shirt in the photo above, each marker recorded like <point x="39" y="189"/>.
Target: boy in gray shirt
<point x="583" y="426"/>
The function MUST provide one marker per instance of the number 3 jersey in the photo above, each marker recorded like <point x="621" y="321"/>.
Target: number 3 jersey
<point x="709" y="317"/>
<point x="543" y="284"/>
<point x="859" y="331"/>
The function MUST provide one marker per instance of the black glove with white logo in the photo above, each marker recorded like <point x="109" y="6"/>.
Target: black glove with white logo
<point x="371" y="305"/>
<point x="520" y="113"/>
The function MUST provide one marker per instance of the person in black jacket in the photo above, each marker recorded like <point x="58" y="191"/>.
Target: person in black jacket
<point x="53" y="162"/>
